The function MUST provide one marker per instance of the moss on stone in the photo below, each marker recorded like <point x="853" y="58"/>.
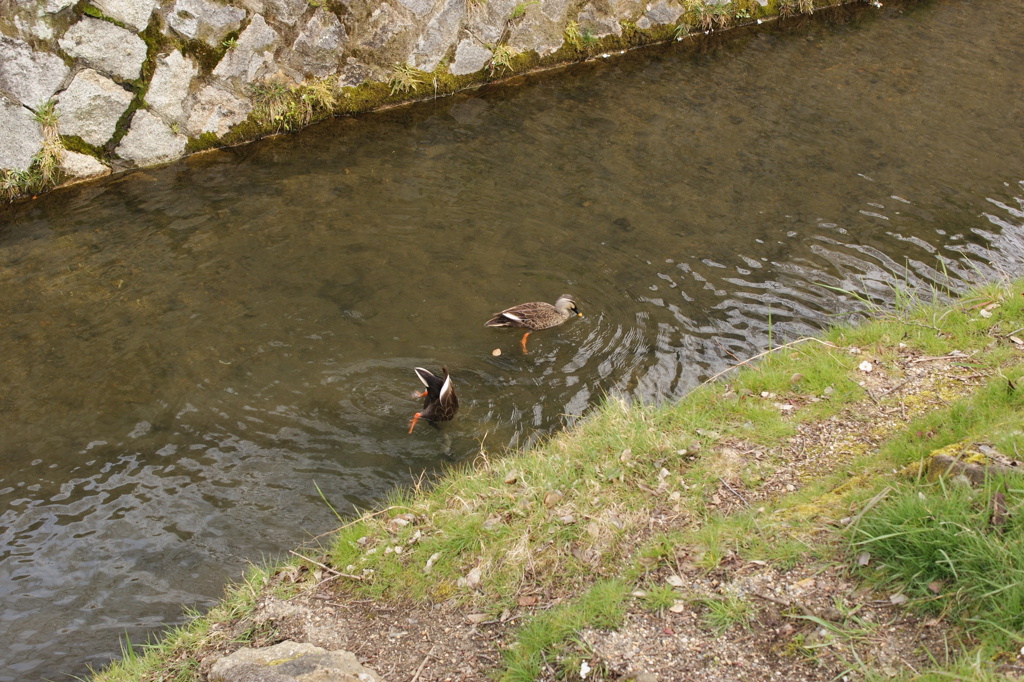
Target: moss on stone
<point x="90" y="10"/>
<point x="74" y="143"/>
<point x="202" y="143"/>
<point x="205" y="56"/>
<point x="87" y="9"/>
<point x="157" y="42"/>
<point x="963" y="451"/>
<point x="364" y="97"/>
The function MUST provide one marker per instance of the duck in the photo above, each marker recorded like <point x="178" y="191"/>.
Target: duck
<point x="439" y="400"/>
<point x="535" y="315"/>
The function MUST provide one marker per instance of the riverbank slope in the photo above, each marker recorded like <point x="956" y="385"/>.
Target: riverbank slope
<point x="787" y="520"/>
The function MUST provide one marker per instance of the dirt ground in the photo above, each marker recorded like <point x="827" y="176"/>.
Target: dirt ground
<point x="788" y="637"/>
<point x="807" y="622"/>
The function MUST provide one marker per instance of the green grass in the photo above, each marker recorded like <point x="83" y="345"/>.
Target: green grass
<point x="280" y="107"/>
<point x="937" y="544"/>
<point x="572" y="34"/>
<point x="660" y="597"/>
<point x="501" y="60"/>
<point x="539" y="641"/>
<point x="276" y="106"/>
<point x="43" y="173"/>
<point x="519" y="11"/>
<point x="723" y="612"/>
<point x="405" y="79"/>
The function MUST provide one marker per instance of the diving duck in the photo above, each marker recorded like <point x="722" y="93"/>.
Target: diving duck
<point x="439" y="400"/>
<point x="535" y="315"/>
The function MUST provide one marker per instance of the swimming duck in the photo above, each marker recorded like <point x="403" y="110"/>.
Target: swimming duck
<point x="535" y="315"/>
<point x="439" y="400"/>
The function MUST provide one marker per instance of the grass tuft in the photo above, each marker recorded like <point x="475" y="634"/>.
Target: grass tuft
<point x="405" y="79"/>
<point x="43" y="172"/>
<point x="539" y="641"/>
<point x="936" y="542"/>
<point x="280" y="107"/>
<point x="725" y="611"/>
<point x="501" y="60"/>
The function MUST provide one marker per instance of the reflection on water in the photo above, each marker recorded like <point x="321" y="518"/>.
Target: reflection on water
<point x="189" y="352"/>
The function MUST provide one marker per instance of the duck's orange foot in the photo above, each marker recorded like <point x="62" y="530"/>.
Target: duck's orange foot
<point x="522" y="342"/>
<point x="412" y="422"/>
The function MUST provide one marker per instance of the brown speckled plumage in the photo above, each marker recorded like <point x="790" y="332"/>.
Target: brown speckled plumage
<point x="535" y="315"/>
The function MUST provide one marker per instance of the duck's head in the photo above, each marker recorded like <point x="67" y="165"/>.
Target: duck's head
<point x="566" y="304"/>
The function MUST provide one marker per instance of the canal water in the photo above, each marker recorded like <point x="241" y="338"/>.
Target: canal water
<point x="187" y="354"/>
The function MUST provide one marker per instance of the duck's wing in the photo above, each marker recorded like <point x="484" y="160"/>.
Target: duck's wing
<point x="522" y="315"/>
<point x="506" y="318"/>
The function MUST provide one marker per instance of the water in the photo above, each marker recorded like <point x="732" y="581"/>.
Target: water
<point x="189" y="352"/>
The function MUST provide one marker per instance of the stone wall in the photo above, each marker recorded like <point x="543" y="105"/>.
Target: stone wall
<point x="90" y="87"/>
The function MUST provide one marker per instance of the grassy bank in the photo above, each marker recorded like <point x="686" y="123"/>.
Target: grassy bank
<point x="784" y="517"/>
